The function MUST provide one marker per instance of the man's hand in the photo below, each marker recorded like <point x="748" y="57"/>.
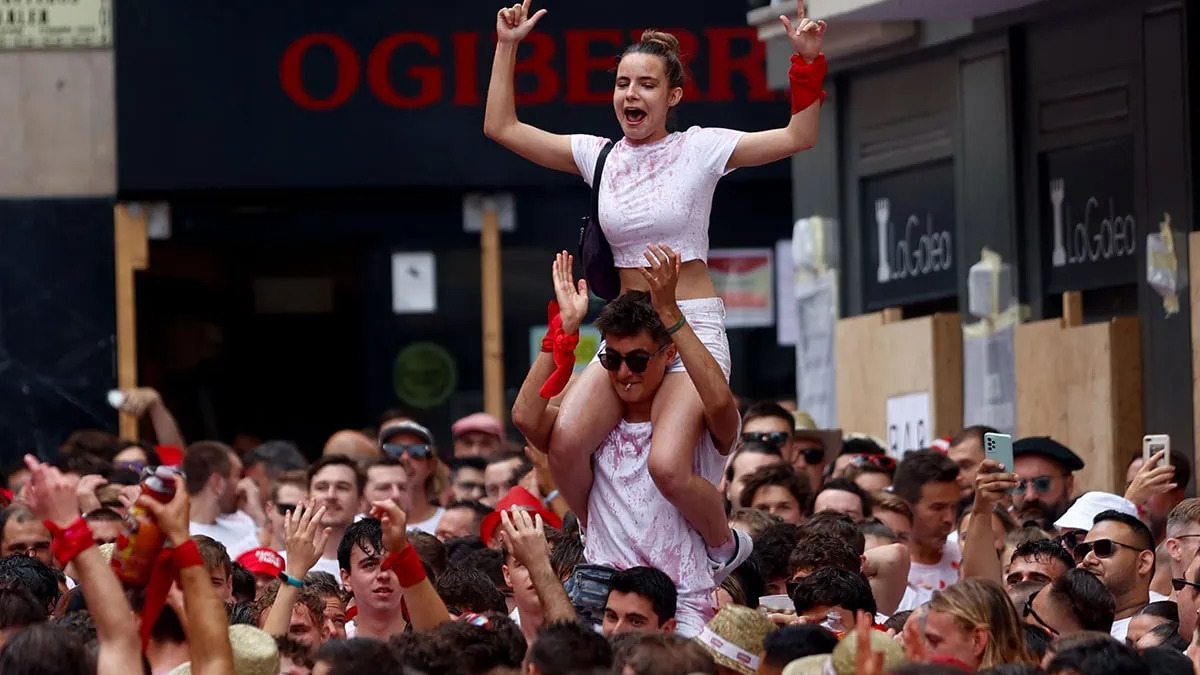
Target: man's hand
<point x="866" y="660"/>
<point x="85" y="492"/>
<point x="395" y="525"/>
<point x="304" y="538"/>
<point x="662" y="276"/>
<point x="250" y="500"/>
<point x="51" y="493"/>
<point x="525" y="537"/>
<point x="1151" y="480"/>
<point x="572" y="296"/>
<point x="991" y="486"/>
<point x="172" y="517"/>
<point x="141" y="400"/>
<point x="541" y="468"/>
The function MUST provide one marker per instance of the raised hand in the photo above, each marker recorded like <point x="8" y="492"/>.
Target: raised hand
<point x="525" y="537"/>
<point x="394" y="522"/>
<point x="138" y="401"/>
<point x="572" y="296"/>
<point x="807" y="35"/>
<point x="1150" y="480"/>
<point x="514" y="23"/>
<point x="172" y="517"/>
<point x="85" y="492"/>
<point x="662" y="276"/>
<point x="51" y="493"/>
<point x="991" y="486"/>
<point x="304" y="538"/>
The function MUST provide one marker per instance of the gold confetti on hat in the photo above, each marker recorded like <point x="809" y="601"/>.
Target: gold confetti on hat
<point x="847" y="647"/>
<point x="254" y="653"/>
<point x="734" y="637"/>
<point x="106" y="550"/>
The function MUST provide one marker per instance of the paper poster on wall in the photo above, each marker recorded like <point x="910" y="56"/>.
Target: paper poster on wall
<point x="743" y="280"/>
<point x="589" y="344"/>
<point x="908" y="423"/>
<point x="414" y="283"/>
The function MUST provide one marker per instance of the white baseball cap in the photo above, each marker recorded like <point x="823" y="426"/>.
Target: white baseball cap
<point x="1082" y="514"/>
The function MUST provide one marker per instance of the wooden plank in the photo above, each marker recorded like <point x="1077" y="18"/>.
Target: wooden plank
<point x="493" y="310"/>
<point x="1072" y="306"/>
<point x="132" y="254"/>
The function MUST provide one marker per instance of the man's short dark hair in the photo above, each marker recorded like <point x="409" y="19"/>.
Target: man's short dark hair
<point x="489" y="561"/>
<point x="307" y="598"/>
<point x="783" y="475"/>
<point x="478" y="511"/>
<point x="337" y="460"/>
<point x="203" y="460"/>
<point x="366" y="535"/>
<point x="277" y="456"/>
<point x="566" y="552"/>
<point x="1141" y="534"/>
<point x="818" y="550"/>
<point x="630" y="315"/>
<point x="19" y="607"/>
<point x="746" y="447"/>
<point x="356" y="656"/>
<point x="244" y="586"/>
<point x="660" y="654"/>
<point x="860" y="445"/>
<point x="833" y="587"/>
<point x="844" y="485"/>
<point x="1086" y="598"/>
<point x="31" y="574"/>
<point x="382" y="460"/>
<point x="769" y="409"/>
<point x="568" y="647"/>
<point x="1043" y="549"/>
<point x="324" y="583"/>
<point x="652" y="584"/>
<point x="457" y="648"/>
<point x="465" y="589"/>
<point x="919" y="468"/>
<point x="1102" y="657"/>
<point x="1037" y="641"/>
<point x="477" y="463"/>
<point x="430" y="550"/>
<point x="837" y="525"/>
<point x="102" y="515"/>
<point x="216" y="558"/>
<point x="796" y="642"/>
<point x="17" y="513"/>
<point x="45" y="649"/>
<point x="975" y="431"/>
<point x="771" y="549"/>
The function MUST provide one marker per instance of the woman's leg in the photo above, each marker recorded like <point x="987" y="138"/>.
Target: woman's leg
<point x="590" y="410"/>
<point x="678" y="419"/>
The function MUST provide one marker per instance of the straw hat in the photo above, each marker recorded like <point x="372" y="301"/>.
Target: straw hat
<point x="254" y="652"/>
<point x="806" y="427"/>
<point x="734" y="637"/>
<point x="106" y="550"/>
<point x="847" y="647"/>
<point x="817" y="664"/>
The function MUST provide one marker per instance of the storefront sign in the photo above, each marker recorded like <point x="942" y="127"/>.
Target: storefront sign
<point x="1090" y="235"/>
<point x="55" y="24"/>
<point x="908" y="225"/>
<point x="744" y="282"/>
<point x="392" y="94"/>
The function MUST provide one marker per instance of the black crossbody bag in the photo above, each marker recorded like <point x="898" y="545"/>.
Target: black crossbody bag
<point x="594" y="251"/>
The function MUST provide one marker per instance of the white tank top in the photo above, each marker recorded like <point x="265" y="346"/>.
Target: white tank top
<point x="658" y="192"/>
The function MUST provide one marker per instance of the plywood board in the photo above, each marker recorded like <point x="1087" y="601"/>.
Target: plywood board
<point x="1194" y="296"/>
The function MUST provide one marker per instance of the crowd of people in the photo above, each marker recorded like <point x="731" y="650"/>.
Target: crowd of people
<point x="645" y="522"/>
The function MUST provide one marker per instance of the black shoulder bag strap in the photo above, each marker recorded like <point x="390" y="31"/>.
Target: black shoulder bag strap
<point x="596" y="182"/>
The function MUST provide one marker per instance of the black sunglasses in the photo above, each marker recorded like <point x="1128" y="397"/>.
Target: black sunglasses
<point x="813" y="456"/>
<point x="1180" y="584"/>
<point x="414" y="450"/>
<point x="775" y="438"/>
<point x="284" y="508"/>
<point x="1103" y="548"/>
<point x="1041" y="622"/>
<point x="1041" y="484"/>
<point x="637" y="360"/>
<point x="881" y="462"/>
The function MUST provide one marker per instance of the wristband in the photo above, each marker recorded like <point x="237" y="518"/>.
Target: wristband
<point x="551" y="497"/>
<point x="677" y="326"/>
<point x="553" y="327"/>
<point x="563" y="347"/>
<point x="407" y="566"/>
<point x="806" y="80"/>
<point x="69" y="541"/>
<point x="291" y="580"/>
<point x="187" y="554"/>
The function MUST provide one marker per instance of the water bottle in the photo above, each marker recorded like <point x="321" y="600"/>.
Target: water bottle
<point x="135" y="554"/>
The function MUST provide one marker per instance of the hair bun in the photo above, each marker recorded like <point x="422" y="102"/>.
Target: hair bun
<point x="668" y="42"/>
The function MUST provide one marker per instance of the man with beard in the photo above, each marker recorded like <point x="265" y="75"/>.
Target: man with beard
<point x="212" y="472"/>
<point x="1119" y="549"/>
<point x="1047" y="482"/>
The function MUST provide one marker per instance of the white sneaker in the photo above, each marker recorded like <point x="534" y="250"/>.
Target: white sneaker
<point x="744" y="547"/>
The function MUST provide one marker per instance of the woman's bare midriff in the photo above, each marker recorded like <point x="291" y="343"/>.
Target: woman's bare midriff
<point x="694" y="281"/>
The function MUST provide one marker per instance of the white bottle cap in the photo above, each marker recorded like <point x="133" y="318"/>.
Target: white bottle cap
<point x="116" y="399"/>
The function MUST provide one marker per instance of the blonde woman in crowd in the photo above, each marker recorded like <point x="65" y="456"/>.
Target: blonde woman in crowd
<point x="974" y="622"/>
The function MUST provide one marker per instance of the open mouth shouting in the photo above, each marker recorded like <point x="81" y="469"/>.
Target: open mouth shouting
<point x="634" y="116"/>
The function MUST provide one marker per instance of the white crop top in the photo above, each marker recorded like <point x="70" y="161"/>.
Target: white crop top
<point x="659" y="192"/>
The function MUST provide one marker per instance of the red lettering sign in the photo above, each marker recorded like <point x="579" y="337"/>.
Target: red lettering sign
<point x="409" y="70"/>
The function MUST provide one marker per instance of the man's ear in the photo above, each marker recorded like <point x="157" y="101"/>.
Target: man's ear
<point x="1146" y="562"/>
<point x="345" y="578"/>
<point x="507" y="578"/>
<point x="1172" y="546"/>
<point x="669" y="626"/>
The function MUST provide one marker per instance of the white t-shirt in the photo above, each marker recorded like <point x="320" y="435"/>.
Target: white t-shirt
<point x="657" y="192"/>
<point x="231" y="534"/>
<point x="923" y="579"/>
<point x="430" y="524"/>
<point x="1120" y="627"/>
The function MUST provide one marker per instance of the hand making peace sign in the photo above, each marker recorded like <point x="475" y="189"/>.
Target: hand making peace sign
<point x="807" y="36"/>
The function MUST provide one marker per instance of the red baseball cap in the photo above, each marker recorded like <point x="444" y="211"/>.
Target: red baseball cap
<point x="517" y="499"/>
<point x="262" y="560"/>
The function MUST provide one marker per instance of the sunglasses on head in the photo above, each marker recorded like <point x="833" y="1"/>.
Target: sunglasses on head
<point x="881" y="462"/>
<point x="637" y="360"/>
<point x="775" y="438"/>
<point x="1103" y="548"/>
<point x="414" y="450"/>
<point x="475" y="619"/>
<point x="133" y="466"/>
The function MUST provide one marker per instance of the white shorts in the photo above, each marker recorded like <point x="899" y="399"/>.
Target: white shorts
<point x="706" y="316"/>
